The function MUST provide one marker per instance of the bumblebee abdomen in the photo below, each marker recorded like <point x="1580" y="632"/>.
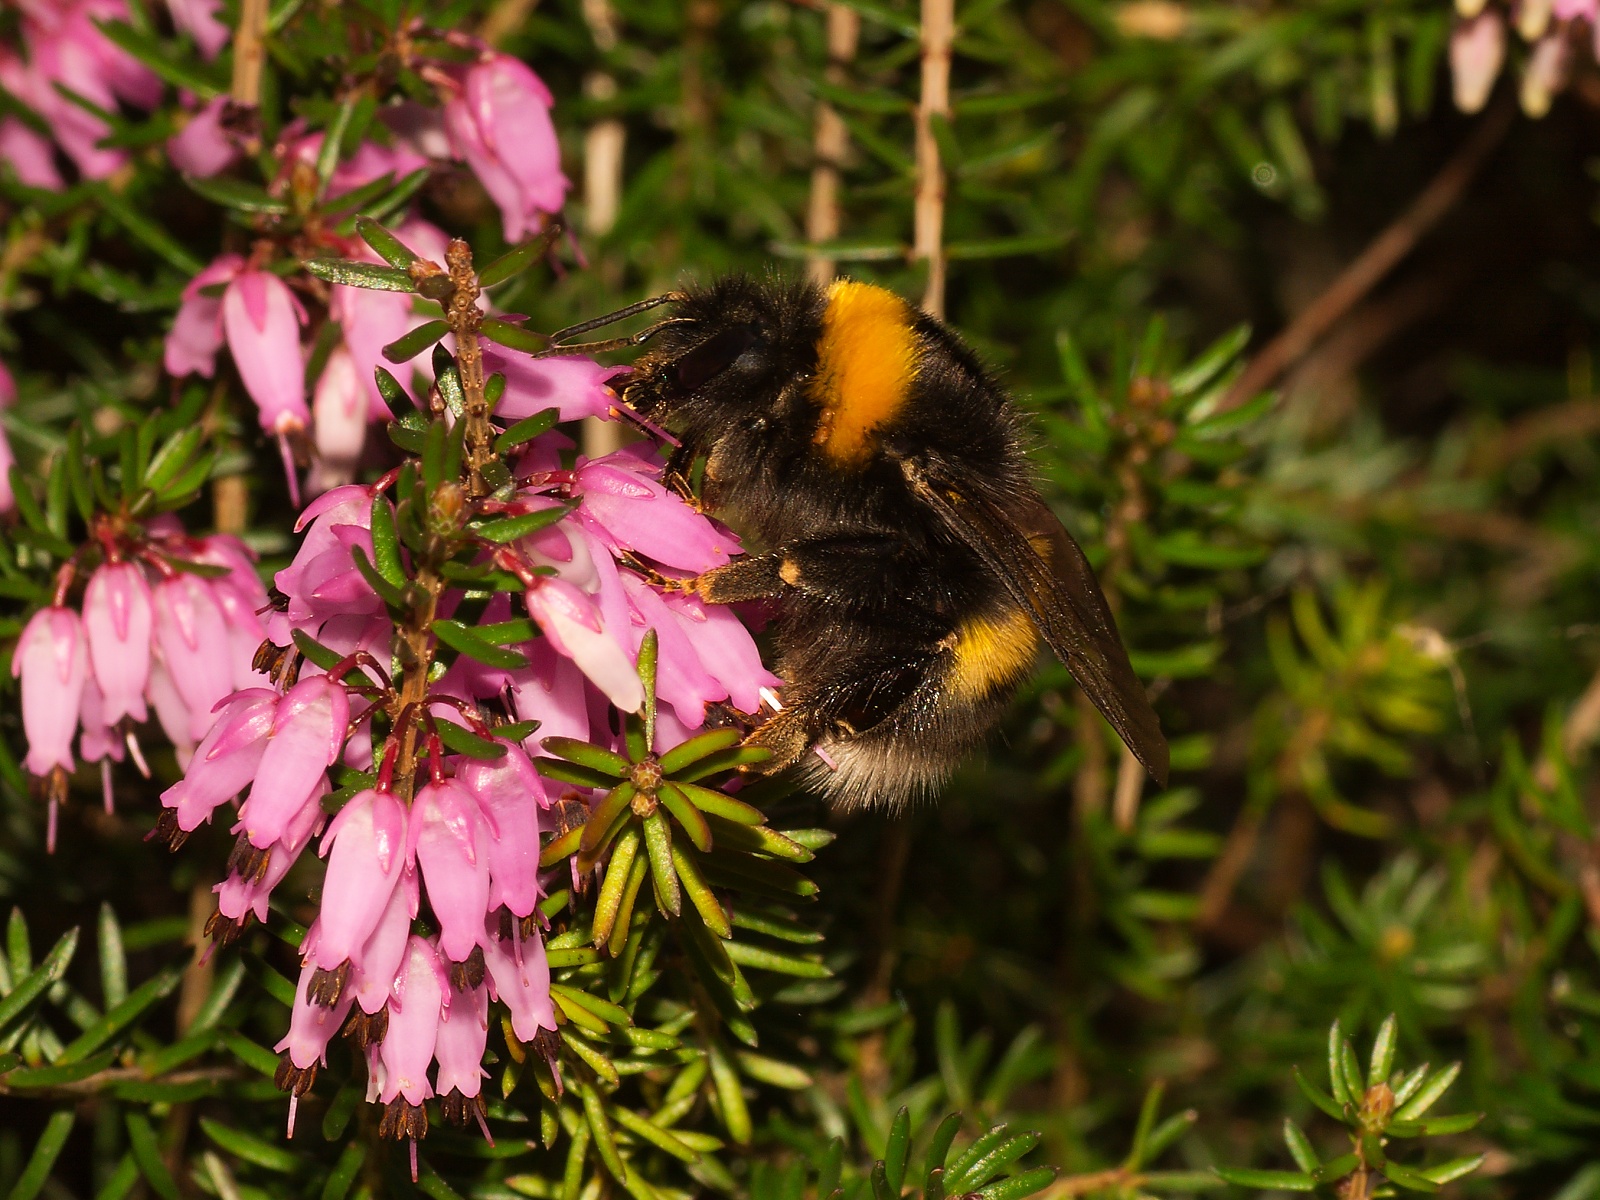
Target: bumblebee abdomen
<point x="989" y="653"/>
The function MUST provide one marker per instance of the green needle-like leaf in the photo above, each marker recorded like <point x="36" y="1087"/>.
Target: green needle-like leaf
<point x="389" y="248"/>
<point x="658" y="843"/>
<point x="609" y="902"/>
<point x="33" y="985"/>
<point x="45" y="1152"/>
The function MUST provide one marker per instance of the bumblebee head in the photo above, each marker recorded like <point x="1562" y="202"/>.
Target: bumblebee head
<point x="732" y="355"/>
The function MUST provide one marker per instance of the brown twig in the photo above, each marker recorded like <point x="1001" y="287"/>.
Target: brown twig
<point x="249" y="52"/>
<point x="927" y="244"/>
<point x="1376" y="261"/>
<point x="829" y="144"/>
<point x="604" y="144"/>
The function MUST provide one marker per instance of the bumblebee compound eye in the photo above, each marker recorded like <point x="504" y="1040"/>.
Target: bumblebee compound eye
<point x="712" y="357"/>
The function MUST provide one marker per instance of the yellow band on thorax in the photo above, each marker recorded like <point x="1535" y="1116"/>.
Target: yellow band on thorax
<point x="866" y="362"/>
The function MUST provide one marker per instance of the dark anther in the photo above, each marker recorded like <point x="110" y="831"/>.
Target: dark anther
<point x="402" y="1120"/>
<point x="547" y="1043"/>
<point x="367" y="1029"/>
<point x="462" y="1110"/>
<point x="327" y="987"/>
<point x="166" y="830"/>
<point x="226" y="930"/>
<point x="464" y="976"/>
<point x="295" y="1080"/>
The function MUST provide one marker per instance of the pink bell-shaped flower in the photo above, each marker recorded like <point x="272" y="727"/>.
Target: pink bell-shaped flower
<point x="571" y="620"/>
<point x="307" y="734"/>
<point x="118" y="621"/>
<point x="192" y="637"/>
<point x="511" y="794"/>
<point x="622" y="497"/>
<point x="366" y="849"/>
<point x="519" y="977"/>
<point x="226" y="759"/>
<point x="197" y="334"/>
<point x="450" y="843"/>
<point x="202" y="148"/>
<point x="407" y="1048"/>
<point x="52" y="661"/>
<point x="463" y="1037"/>
<point x="500" y="124"/>
<point x="262" y="320"/>
<point x="338" y="420"/>
<point x="575" y="387"/>
<point x="200" y="19"/>
<point x="305" y="1046"/>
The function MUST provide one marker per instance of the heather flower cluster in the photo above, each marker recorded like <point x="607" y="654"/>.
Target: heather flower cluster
<point x="494" y="116"/>
<point x="390" y="706"/>
<point x="1556" y="30"/>
<point x="546" y="588"/>
<point x="165" y="625"/>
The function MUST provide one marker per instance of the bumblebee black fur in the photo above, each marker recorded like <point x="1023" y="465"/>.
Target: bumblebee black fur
<point x="881" y="469"/>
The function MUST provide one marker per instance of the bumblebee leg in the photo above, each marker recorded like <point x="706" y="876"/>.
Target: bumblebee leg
<point x="753" y="577"/>
<point x="788" y="735"/>
<point x="675" y="476"/>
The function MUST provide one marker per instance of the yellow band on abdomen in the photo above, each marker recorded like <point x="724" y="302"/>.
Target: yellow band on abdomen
<point x="990" y="653"/>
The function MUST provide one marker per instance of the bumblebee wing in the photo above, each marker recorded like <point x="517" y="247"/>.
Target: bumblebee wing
<point x="1045" y="571"/>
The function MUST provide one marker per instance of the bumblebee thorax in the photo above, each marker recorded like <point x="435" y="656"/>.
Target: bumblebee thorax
<point x="866" y="365"/>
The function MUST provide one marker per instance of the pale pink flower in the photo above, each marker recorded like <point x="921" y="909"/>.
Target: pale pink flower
<point x="307" y="735"/>
<point x="519" y="977"/>
<point x="338" y="420"/>
<point x="322" y="581"/>
<point x="1477" y="51"/>
<point x="200" y="19"/>
<point x="196" y="334"/>
<point x="262" y="321"/>
<point x="575" y="387"/>
<point x="407" y="1047"/>
<point x="192" y="638"/>
<point x="311" y="1027"/>
<point x="366" y="848"/>
<point x="571" y="620"/>
<point x="30" y="155"/>
<point x="226" y="759"/>
<point x="462" y="1038"/>
<point x="202" y="148"/>
<point x="621" y="496"/>
<point x="450" y="843"/>
<point x="551" y="691"/>
<point x="500" y="124"/>
<point x="118" y="620"/>
<point x="511" y="794"/>
<point x="373" y="971"/>
<point x="52" y="660"/>
<point x="245" y="894"/>
<point x="1545" y="74"/>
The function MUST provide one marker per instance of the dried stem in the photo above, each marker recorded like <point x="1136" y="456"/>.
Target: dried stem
<point x="604" y="144"/>
<point x="249" y="52"/>
<point x="1376" y="261"/>
<point x="938" y="32"/>
<point x="829" y="144"/>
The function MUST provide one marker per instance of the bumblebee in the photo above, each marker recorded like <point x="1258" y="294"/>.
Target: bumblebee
<point x="915" y="567"/>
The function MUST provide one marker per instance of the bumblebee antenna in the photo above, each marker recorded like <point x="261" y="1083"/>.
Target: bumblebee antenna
<point x="611" y="318"/>
<point x="563" y="350"/>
